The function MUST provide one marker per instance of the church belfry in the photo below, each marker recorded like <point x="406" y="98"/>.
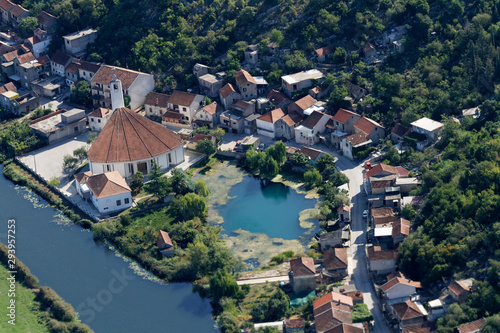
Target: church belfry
<point x="116" y="93"/>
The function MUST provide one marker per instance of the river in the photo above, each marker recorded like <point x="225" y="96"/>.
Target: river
<point x="111" y="293"/>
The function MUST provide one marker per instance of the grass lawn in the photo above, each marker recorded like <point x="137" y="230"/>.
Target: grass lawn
<point x="28" y="317"/>
<point x="258" y="292"/>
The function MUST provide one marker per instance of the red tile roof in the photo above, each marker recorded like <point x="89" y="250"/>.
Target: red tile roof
<point x="157" y="99"/>
<point x="357" y="296"/>
<point x="379" y="168"/>
<point x="385" y="221"/>
<point x="242" y="77"/>
<point x="89" y="66"/>
<point x="34" y="40"/>
<point x="100" y="113"/>
<point x="17" y="10"/>
<point x="397" y="280"/>
<point x="382" y="183"/>
<point x="242" y="104"/>
<point x="212" y="108"/>
<point x="473" y="326"/>
<point x="272" y="116"/>
<point x="343" y="207"/>
<point x="382" y="212"/>
<point x="294" y="323"/>
<point x="458" y="287"/>
<point x="226" y="90"/>
<point x="343" y="115"/>
<point x="172" y="115"/>
<point x="105" y="74"/>
<point x="62" y="59"/>
<point x="305" y="102"/>
<point x="310" y="152"/>
<point x="401" y="227"/>
<point x="8" y="87"/>
<point x="400" y="130"/>
<point x="313" y="119"/>
<point x="335" y="258"/>
<point x="333" y="297"/>
<point x="425" y="327"/>
<point x="376" y="254"/>
<point x="43" y="59"/>
<point x="128" y="136"/>
<point x="356" y="139"/>
<point x="407" y="310"/>
<point x="6" y="5"/>
<point x="345" y="328"/>
<point x="395" y="275"/>
<point x="44" y="17"/>
<point x="9" y="56"/>
<point x="181" y="98"/>
<point x="163" y="239"/>
<point x="25" y="58"/>
<point x="199" y="137"/>
<point x="82" y="177"/>
<point x="324" y="51"/>
<point x="73" y="67"/>
<point x="292" y="119"/>
<point x="107" y="184"/>
<point x="332" y="318"/>
<point x="276" y="98"/>
<point x="302" y="266"/>
<point x="402" y="171"/>
<point x="366" y="125"/>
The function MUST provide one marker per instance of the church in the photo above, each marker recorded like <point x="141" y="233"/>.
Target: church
<point x="129" y="142"/>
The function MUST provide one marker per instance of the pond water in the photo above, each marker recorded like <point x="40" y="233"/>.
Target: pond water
<point x="269" y="208"/>
<point x="111" y="293"/>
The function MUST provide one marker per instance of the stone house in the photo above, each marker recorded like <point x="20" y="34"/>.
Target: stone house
<point x="267" y="122"/>
<point x="381" y="262"/>
<point x="27" y="70"/>
<point x="71" y="73"/>
<point x="341" y="125"/>
<point x="47" y="22"/>
<point x="200" y="70"/>
<point x="164" y="244"/>
<point x="399" y="287"/>
<point x="355" y="92"/>
<point x="344" y="213"/>
<point x="330" y="239"/>
<point x="400" y="230"/>
<point x="373" y="130"/>
<point x="293" y="326"/>
<point x="243" y="108"/>
<point x="398" y="133"/>
<point x="302" y="274"/>
<point x="369" y="50"/>
<point x="210" y="84"/>
<point x="285" y="127"/>
<point x="76" y="43"/>
<point x="459" y="290"/>
<point x="5" y="6"/>
<point x="156" y="104"/>
<point x="475" y="326"/>
<point x="87" y="70"/>
<point x="228" y="95"/>
<point x="59" y="62"/>
<point x="278" y="99"/>
<point x="38" y="43"/>
<point x="323" y="53"/>
<point x="16" y="14"/>
<point x="246" y="85"/>
<point x="232" y="123"/>
<point x="335" y="262"/>
<point x="301" y="105"/>
<point x="208" y="115"/>
<point x="354" y="143"/>
<point x="408" y="313"/>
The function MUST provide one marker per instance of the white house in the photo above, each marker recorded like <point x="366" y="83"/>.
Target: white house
<point x="98" y="118"/>
<point x="130" y="142"/>
<point x="108" y="191"/>
<point x="156" y="104"/>
<point x="429" y="127"/>
<point x="400" y="287"/>
<point x="381" y="262"/>
<point x="185" y="103"/>
<point x="208" y="115"/>
<point x="298" y="81"/>
<point x="308" y="132"/>
<point x="266" y="122"/>
<point x="353" y="143"/>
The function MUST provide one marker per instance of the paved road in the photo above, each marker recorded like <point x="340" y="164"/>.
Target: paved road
<point x="283" y="278"/>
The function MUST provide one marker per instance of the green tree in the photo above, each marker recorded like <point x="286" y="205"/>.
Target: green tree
<point x="80" y="94"/>
<point x="189" y="206"/>
<point x="325" y="162"/>
<point x="269" y="168"/>
<point x="54" y="182"/>
<point x="278" y="152"/>
<point x="80" y="153"/>
<point x="69" y="163"/>
<point x="223" y="284"/>
<point x="157" y="184"/>
<point x="180" y="182"/>
<point x="277" y="37"/>
<point x="254" y="159"/>
<point x="206" y="146"/>
<point x="312" y="178"/>
<point x="201" y="188"/>
<point x="137" y="183"/>
<point x="338" y="178"/>
<point x="28" y="25"/>
<point x="300" y="160"/>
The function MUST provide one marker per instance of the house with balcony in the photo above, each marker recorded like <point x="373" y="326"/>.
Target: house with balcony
<point x="186" y="104"/>
<point x="308" y="132"/>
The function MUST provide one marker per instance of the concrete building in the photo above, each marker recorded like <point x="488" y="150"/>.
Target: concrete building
<point x="185" y="104"/>
<point x="267" y="122"/>
<point x="59" y="62"/>
<point x="60" y="124"/>
<point x="99" y="118"/>
<point x="285" y="127"/>
<point x="76" y="43"/>
<point x="308" y="132"/>
<point x="430" y="128"/>
<point x="301" y="80"/>
<point x="48" y="87"/>
<point x="20" y="102"/>
<point x="231" y="122"/>
<point x="210" y="84"/>
<point x="39" y="42"/>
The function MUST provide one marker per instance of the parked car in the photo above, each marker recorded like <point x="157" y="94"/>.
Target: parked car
<point x="262" y="147"/>
<point x="365" y="214"/>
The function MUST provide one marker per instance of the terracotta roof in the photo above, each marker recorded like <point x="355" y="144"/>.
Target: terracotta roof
<point x="83" y="176"/>
<point x="376" y="254"/>
<point x="163" y="239"/>
<point x="276" y="97"/>
<point x="407" y="310"/>
<point x="272" y="116"/>
<point x="382" y="212"/>
<point x="400" y="130"/>
<point x="381" y="183"/>
<point x="100" y="113"/>
<point x="107" y="184"/>
<point x="357" y="296"/>
<point x="316" y="90"/>
<point x="335" y="258"/>
<point x="356" y="139"/>
<point x="242" y="77"/>
<point x="328" y="306"/>
<point x="182" y="98"/>
<point x="39" y="31"/>
<point x="292" y="119"/>
<point x="212" y="108"/>
<point x="157" y="99"/>
<point x="388" y="221"/>
<point x="402" y="171"/>
<point x="366" y="125"/>
<point x="89" y="66"/>
<point x="172" y="115"/>
<point x="9" y="56"/>
<point x="401" y="227"/>
<point x="458" y="287"/>
<point x="8" y="87"/>
<point x="305" y="102"/>
<point x="34" y="40"/>
<point x="310" y="152"/>
<point x="199" y="137"/>
<point x="18" y="10"/>
<point x="333" y="297"/>
<point x="332" y="318"/>
<point x="313" y="119"/>
<point x="6" y="5"/>
<point x="242" y="104"/>
<point x="379" y="168"/>
<point x="25" y="58"/>
<point x="343" y="207"/>
<point x="105" y="74"/>
<point x="294" y="323"/>
<point x="397" y="280"/>
<point x="473" y="326"/>
<point x="128" y="136"/>
<point x="345" y="328"/>
<point x="5" y="49"/>
<point x="395" y="275"/>
<point x="43" y="59"/>
<point x="343" y="115"/>
<point x="44" y="17"/>
<point x="73" y="67"/>
<point x="302" y="266"/>
<point x="324" y="51"/>
<point x="62" y="59"/>
<point x="226" y="90"/>
<point x="425" y="327"/>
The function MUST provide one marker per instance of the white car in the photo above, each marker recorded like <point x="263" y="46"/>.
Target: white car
<point x="365" y="214"/>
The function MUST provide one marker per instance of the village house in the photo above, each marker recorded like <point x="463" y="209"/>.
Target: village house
<point x="59" y="62"/>
<point x="246" y="85"/>
<point x="335" y="262"/>
<point x="472" y="112"/>
<point x="323" y="53"/>
<point x="208" y="115"/>
<point x="354" y="143"/>
<point x="8" y="87"/>
<point x="344" y="213"/>
<point x="27" y="70"/>
<point x="44" y="62"/>
<point x="407" y="184"/>
<point x="308" y="132"/>
<point x="71" y="73"/>
<point x="373" y="130"/>
<point x="301" y="105"/>
<point x="60" y="124"/>
<point x="99" y="118"/>
<point x="210" y="84"/>
<point x="243" y="108"/>
<point x="145" y="141"/>
<point x="199" y="70"/>
<point x="460" y="290"/>
<point x="22" y="102"/>
<point x="430" y="128"/>
<point x="311" y="153"/>
<point x="398" y="133"/>
<point x="285" y="127"/>
<point x="186" y="104"/>
<point x="108" y="191"/>
<point x="302" y="274"/>
<point x="333" y="317"/>
<point x="156" y="104"/>
<point x="341" y="125"/>
<point x="369" y="50"/>
<point x="232" y="123"/>
<point x="17" y="14"/>
<point x="399" y="287"/>
<point x="335" y="298"/>
<point x="296" y="82"/>
<point x="76" y="43"/>
<point x="267" y="122"/>
<point x="228" y="95"/>
<point x="400" y="230"/>
<point x="408" y="313"/>
<point x="354" y="91"/>
<point x="332" y="239"/>
<point x="5" y="6"/>
<point x="475" y="326"/>
<point x="38" y="43"/>
<point x="252" y="54"/>
<point x="87" y="70"/>
<point x="381" y="262"/>
<point x="293" y="326"/>
<point x="47" y="22"/>
<point x="135" y="85"/>
<point x="278" y="99"/>
<point x="48" y="87"/>
<point x="164" y="244"/>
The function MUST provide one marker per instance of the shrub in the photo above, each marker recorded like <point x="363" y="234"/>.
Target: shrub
<point x="360" y="313"/>
<point x="61" y="310"/>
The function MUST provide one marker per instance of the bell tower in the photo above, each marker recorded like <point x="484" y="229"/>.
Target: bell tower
<point x="116" y="93"/>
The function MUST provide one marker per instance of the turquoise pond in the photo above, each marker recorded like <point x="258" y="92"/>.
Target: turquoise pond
<point x="268" y="208"/>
